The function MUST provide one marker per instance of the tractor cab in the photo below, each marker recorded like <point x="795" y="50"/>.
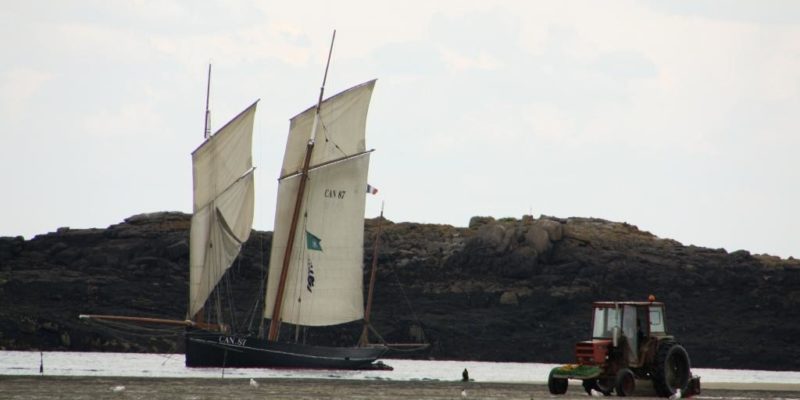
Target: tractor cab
<point x="631" y="326"/>
<point x="629" y="342"/>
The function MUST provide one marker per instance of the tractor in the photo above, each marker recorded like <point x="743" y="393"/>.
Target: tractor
<point x="629" y="344"/>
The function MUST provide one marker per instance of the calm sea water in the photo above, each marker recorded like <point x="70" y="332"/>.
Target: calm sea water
<point x="172" y="366"/>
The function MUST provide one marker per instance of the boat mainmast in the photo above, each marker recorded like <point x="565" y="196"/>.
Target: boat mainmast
<point x="275" y="323"/>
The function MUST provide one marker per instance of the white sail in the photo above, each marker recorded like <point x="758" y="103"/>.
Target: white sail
<point x="324" y="283"/>
<point x="324" y="286"/>
<point x="223" y="205"/>
<point x="340" y="132"/>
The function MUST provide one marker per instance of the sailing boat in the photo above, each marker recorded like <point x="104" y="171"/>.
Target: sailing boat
<point x="315" y="271"/>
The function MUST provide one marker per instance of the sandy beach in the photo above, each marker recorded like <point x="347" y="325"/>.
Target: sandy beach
<point x="48" y="387"/>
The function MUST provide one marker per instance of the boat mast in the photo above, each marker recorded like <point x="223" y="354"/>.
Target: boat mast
<point x="207" y="128"/>
<point x="373" y="273"/>
<point x="275" y="323"/>
<point x="200" y="316"/>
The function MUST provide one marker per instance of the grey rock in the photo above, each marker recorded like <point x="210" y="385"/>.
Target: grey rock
<point x="509" y="298"/>
<point x="539" y="239"/>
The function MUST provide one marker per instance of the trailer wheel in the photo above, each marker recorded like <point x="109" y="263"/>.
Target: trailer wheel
<point x="589" y="384"/>
<point x="672" y="369"/>
<point x="599" y="385"/>
<point x="556" y="385"/>
<point x="625" y="383"/>
<point x="605" y="385"/>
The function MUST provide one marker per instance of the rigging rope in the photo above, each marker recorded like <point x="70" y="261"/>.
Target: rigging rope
<point x="228" y="292"/>
<point x="403" y="292"/>
<point x="130" y="328"/>
<point x="262" y="279"/>
<point x="395" y="349"/>
<point x="300" y="255"/>
<point x="218" y="302"/>
<point x="325" y="135"/>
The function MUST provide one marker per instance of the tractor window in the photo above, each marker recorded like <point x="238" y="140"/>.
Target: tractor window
<point x="657" y="320"/>
<point x="605" y="319"/>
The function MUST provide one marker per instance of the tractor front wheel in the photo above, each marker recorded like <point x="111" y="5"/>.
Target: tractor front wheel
<point x="625" y="383"/>
<point x="672" y="369"/>
<point x="556" y="385"/>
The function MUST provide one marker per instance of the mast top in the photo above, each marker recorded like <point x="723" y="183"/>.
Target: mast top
<point x="322" y="91"/>
<point x="207" y="129"/>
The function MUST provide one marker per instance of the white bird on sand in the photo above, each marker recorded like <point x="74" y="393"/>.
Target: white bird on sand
<point x="676" y="396"/>
<point x="117" y="389"/>
<point x="464" y="393"/>
<point x="253" y="382"/>
<point x="595" y="393"/>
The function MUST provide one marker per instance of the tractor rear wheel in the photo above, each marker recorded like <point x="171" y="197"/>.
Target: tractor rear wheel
<point x="625" y="383"/>
<point x="672" y="369"/>
<point x="556" y="385"/>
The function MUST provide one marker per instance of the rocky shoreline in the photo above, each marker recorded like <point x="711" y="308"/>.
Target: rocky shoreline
<point x="497" y="290"/>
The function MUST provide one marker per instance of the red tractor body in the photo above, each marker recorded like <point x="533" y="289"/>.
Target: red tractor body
<point x="592" y="352"/>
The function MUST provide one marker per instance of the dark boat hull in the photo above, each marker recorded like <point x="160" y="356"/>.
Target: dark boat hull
<point x="205" y="349"/>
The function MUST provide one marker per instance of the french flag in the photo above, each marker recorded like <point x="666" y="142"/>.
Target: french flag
<point x="372" y="189"/>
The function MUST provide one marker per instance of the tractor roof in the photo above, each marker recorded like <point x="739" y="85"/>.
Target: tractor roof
<point x="604" y="304"/>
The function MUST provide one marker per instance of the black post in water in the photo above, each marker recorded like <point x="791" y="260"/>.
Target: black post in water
<point x="224" y="361"/>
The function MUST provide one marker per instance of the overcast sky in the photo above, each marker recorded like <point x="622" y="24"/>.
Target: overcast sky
<point x="679" y="117"/>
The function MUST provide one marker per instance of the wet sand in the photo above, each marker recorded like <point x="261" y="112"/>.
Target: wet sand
<point x="45" y="387"/>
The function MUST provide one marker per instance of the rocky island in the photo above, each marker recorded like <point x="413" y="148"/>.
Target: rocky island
<point x="498" y="290"/>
